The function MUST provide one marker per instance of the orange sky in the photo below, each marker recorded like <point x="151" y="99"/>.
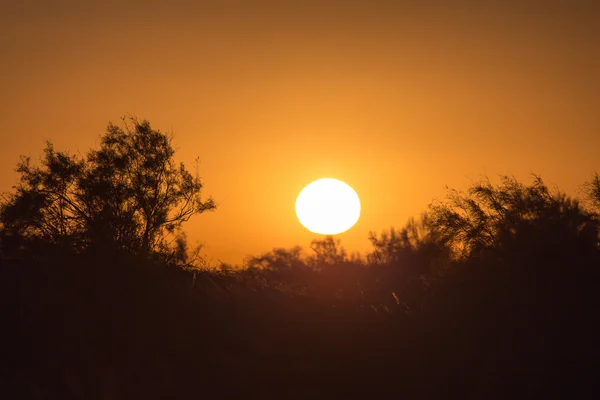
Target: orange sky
<point x="396" y="100"/>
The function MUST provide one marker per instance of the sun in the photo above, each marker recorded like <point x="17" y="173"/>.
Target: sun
<point x="328" y="207"/>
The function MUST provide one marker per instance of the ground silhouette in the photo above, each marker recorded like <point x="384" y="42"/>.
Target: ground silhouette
<point x="490" y="293"/>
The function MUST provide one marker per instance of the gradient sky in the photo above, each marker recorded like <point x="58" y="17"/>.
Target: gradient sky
<point x="396" y="99"/>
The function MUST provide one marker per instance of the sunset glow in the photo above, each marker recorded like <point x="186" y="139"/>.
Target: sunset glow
<point x="270" y="96"/>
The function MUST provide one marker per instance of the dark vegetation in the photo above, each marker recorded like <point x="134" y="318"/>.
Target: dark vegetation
<point x="491" y="293"/>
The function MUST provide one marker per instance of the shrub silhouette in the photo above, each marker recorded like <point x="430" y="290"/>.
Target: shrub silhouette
<point x="509" y="216"/>
<point x="129" y="194"/>
<point x="524" y="284"/>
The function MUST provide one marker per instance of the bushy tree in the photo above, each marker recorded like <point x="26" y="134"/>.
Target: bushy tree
<point x="278" y="259"/>
<point x="512" y="218"/>
<point x="416" y="241"/>
<point x="129" y="194"/>
<point x="523" y="253"/>
<point x="327" y="251"/>
<point x="591" y="191"/>
<point x="44" y="209"/>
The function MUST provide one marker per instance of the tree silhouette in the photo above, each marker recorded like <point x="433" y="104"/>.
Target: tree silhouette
<point x="278" y="259"/>
<point x="591" y="190"/>
<point x="511" y="217"/>
<point x="415" y="241"/>
<point x="129" y="194"/>
<point x="328" y="251"/>
<point x="526" y="255"/>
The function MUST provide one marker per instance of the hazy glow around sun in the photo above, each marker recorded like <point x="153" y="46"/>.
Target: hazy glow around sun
<point x="328" y="206"/>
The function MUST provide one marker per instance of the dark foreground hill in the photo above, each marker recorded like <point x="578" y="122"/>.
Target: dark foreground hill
<point x="86" y="328"/>
<point x="492" y="293"/>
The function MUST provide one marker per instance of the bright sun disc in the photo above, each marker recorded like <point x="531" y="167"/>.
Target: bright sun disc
<point x="328" y="206"/>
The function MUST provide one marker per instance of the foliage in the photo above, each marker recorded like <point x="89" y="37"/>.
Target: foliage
<point x="591" y="191"/>
<point x="415" y="242"/>
<point x="129" y="194"/>
<point x="278" y="258"/>
<point x="503" y="217"/>
<point x="328" y="251"/>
